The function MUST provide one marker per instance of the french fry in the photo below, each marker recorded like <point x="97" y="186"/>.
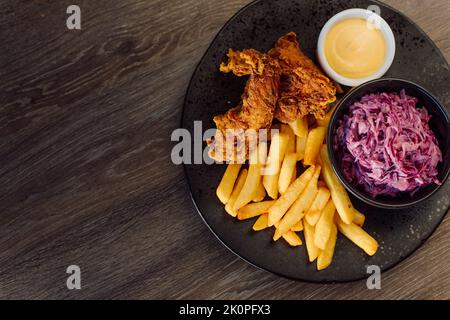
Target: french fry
<point x="292" y="238"/>
<point x="315" y="140"/>
<point x="298" y="226"/>
<point x="359" y="218"/>
<point x="340" y="197"/>
<point x="226" y="185"/>
<point x="287" y="171"/>
<point x="256" y="159"/>
<point x="262" y="153"/>
<point x="261" y="222"/>
<point x="326" y="256"/>
<point x="274" y="129"/>
<point x="301" y="205"/>
<point x="271" y="185"/>
<point x="300" y="147"/>
<point x="254" y="209"/>
<point x="294" y="175"/>
<point x="320" y="201"/>
<point x="324" y="225"/>
<point x="277" y="151"/>
<point x="300" y="127"/>
<point x="277" y="234"/>
<point x="359" y="237"/>
<point x="326" y="120"/>
<point x="236" y="191"/>
<point x="291" y="143"/>
<point x="260" y="193"/>
<point x="249" y="189"/>
<point x="280" y="207"/>
<point x="313" y="251"/>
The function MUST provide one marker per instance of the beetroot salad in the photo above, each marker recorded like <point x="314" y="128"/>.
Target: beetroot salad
<point x="386" y="146"/>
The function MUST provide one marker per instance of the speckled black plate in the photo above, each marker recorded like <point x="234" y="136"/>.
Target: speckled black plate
<point x="258" y="26"/>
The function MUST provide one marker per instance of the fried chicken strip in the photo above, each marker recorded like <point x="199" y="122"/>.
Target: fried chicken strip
<point x="304" y="88"/>
<point x="257" y="106"/>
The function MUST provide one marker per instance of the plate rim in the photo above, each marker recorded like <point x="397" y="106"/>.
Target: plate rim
<point x="189" y="185"/>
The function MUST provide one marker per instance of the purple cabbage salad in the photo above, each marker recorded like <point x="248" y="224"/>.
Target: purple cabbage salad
<point x="386" y="146"/>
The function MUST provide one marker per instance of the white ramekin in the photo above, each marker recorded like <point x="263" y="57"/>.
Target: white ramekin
<point x="362" y="14"/>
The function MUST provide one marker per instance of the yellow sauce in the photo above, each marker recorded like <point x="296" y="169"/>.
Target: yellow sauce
<point x="355" y="49"/>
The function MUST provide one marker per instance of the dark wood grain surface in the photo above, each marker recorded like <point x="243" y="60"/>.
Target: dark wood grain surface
<point x="85" y="170"/>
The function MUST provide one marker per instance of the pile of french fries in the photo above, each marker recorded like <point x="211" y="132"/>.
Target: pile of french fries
<point x="314" y="202"/>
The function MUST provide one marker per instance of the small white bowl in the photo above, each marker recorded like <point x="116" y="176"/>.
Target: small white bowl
<point x="362" y="14"/>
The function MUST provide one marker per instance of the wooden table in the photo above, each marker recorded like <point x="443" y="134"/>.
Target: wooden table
<point x="85" y="170"/>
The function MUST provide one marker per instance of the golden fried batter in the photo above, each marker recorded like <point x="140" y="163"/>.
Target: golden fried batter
<point x="304" y="88"/>
<point x="284" y="84"/>
<point x="257" y="106"/>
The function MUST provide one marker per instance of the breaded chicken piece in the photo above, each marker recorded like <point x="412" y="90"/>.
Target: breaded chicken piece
<point x="304" y="88"/>
<point x="257" y="106"/>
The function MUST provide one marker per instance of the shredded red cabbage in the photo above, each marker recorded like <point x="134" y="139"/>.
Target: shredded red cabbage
<point x="386" y="145"/>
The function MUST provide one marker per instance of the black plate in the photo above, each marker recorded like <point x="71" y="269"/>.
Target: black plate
<point x="258" y="26"/>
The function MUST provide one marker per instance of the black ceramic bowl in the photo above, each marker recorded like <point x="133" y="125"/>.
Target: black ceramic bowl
<point x="439" y="124"/>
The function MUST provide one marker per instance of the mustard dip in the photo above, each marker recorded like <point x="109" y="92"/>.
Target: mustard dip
<point x="355" y="48"/>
